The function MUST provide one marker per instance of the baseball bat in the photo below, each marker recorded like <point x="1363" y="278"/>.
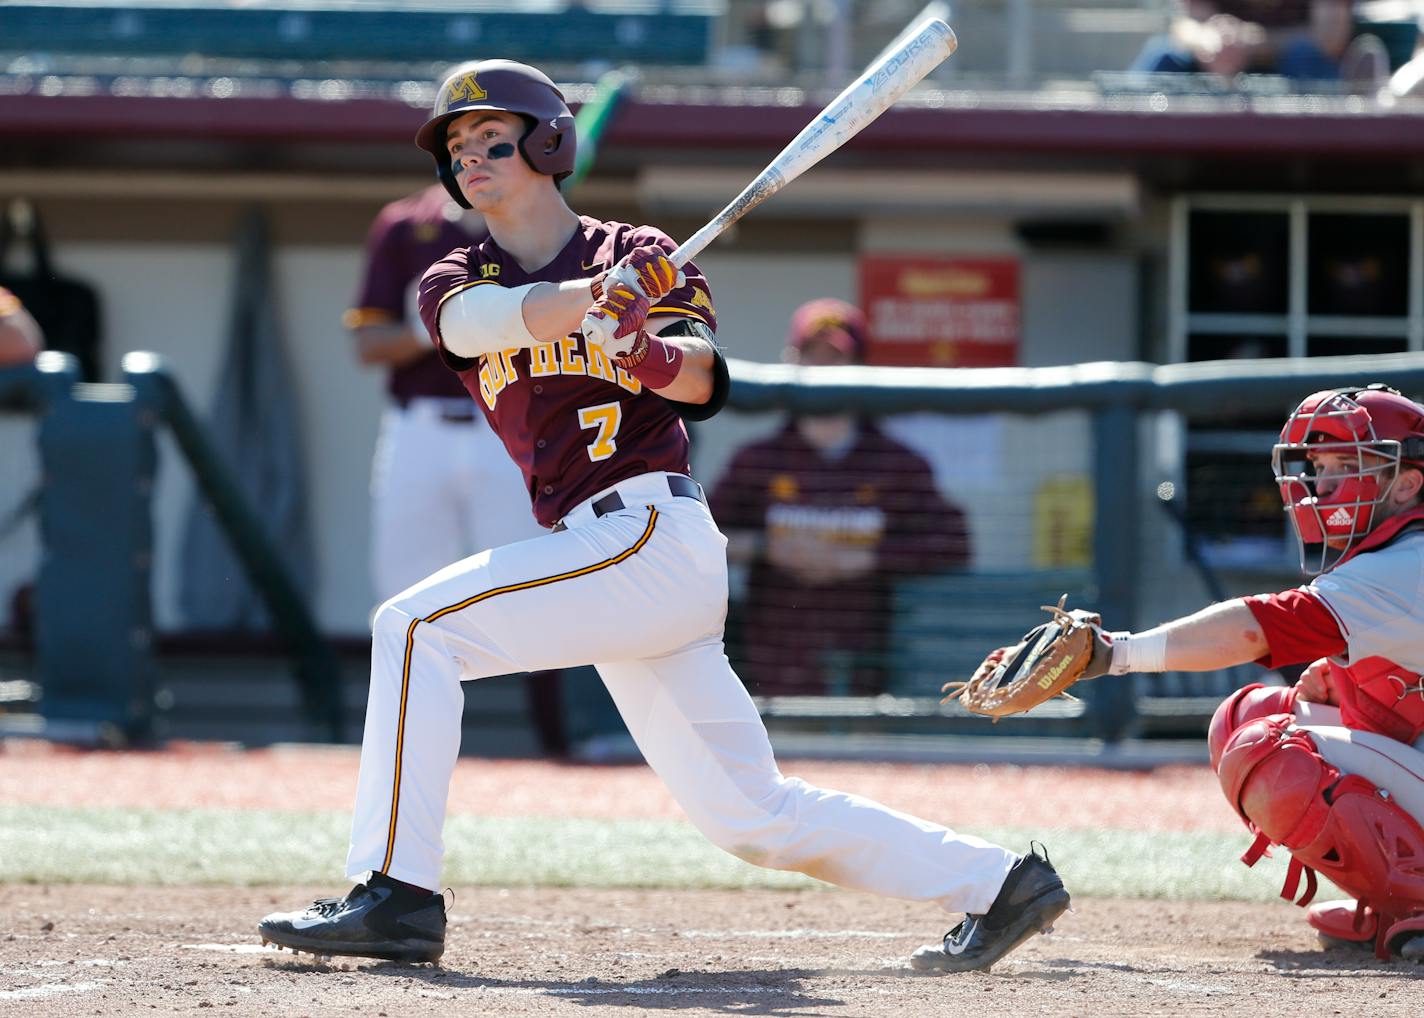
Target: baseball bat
<point x="875" y="91"/>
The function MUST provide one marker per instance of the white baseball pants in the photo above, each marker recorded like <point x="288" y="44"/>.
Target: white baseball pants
<point x="1395" y="766"/>
<point x="642" y="593"/>
<point x="440" y="490"/>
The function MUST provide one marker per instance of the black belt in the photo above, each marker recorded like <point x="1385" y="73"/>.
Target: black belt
<point x="453" y="410"/>
<point x="678" y="484"/>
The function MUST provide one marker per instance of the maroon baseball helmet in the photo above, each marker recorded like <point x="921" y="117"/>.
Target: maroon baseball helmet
<point x="548" y="144"/>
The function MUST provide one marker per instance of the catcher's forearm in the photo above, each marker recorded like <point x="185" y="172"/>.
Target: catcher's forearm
<point x="1218" y="636"/>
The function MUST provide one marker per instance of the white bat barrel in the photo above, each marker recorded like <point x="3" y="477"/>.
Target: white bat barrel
<point x="874" y="92"/>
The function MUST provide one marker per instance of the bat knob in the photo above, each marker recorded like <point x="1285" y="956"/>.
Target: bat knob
<point x="598" y="330"/>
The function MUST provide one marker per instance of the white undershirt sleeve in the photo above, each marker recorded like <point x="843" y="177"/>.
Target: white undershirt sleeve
<point x="484" y="319"/>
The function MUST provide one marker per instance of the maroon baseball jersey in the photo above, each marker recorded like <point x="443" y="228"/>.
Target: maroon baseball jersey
<point x="573" y="421"/>
<point x="406" y="238"/>
<point x="878" y="494"/>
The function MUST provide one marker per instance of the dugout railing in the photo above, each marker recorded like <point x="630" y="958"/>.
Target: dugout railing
<point x="945" y="623"/>
<point x="93" y="633"/>
<point x="95" y="445"/>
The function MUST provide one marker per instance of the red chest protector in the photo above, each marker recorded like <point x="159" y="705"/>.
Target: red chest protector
<point x="1377" y="695"/>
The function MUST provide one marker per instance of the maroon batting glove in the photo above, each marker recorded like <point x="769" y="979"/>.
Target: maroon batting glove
<point x="616" y="320"/>
<point x="646" y="270"/>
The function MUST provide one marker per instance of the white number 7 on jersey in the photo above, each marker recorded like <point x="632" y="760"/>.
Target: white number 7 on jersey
<point x="607" y="418"/>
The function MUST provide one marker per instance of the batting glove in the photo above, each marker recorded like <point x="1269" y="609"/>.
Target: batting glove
<point x="645" y="270"/>
<point x="615" y="322"/>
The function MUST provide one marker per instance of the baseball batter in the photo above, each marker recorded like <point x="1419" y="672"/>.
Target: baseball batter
<point x="631" y="577"/>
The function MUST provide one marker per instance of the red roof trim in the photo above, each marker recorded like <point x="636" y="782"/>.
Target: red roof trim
<point x="760" y="129"/>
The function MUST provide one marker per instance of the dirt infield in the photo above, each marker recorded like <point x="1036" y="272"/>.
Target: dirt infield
<point x="80" y="950"/>
<point x="120" y="952"/>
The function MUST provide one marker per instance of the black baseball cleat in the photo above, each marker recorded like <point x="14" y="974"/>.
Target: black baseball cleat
<point x="377" y="919"/>
<point x="1032" y="897"/>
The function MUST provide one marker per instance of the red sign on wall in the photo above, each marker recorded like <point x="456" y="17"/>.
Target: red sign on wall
<point x="927" y="310"/>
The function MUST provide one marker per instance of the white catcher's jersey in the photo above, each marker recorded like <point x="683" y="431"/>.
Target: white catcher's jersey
<point x="1378" y="600"/>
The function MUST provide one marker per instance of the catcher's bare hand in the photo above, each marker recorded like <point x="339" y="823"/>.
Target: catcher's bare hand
<point x="1315" y="684"/>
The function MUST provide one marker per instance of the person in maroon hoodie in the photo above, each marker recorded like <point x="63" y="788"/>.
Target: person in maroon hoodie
<point x="829" y="512"/>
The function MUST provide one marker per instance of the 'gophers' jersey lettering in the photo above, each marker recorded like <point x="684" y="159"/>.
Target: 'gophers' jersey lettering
<point x="569" y="356"/>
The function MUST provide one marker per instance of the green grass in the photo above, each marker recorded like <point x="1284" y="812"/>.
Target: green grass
<point x="41" y="844"/>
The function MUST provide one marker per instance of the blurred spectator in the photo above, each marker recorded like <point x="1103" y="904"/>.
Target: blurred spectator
<point x="829" y="512"/>
<point x="1306" y="40"/>
<point x="20" y="337"/>
<point x="442" y="486"/>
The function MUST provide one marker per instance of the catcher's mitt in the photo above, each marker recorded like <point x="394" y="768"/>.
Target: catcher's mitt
<point x="1068" y="648"/>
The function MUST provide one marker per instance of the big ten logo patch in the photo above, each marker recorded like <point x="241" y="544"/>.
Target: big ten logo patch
<point x="464" y="89"/>
<point x="489" y="270"/>
<point x="567" y="356"/>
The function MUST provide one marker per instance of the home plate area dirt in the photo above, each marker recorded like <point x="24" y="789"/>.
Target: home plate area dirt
<point x="118" y="951"/>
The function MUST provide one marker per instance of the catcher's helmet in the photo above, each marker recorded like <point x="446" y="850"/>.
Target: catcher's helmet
<point x="548" y="145"/>
<point x="1378" y="429"/>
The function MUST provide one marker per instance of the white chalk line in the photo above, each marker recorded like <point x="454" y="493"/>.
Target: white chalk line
<point x="1180" y="984"/>
<point x="492" y="930"/>
<point x="229" y="948"/>
<point x="47" y="990"/>
<point x="791" y="935"/>
<point x="653" y="991"/>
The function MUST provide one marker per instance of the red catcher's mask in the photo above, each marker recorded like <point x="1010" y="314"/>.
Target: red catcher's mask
<point x="1376" y="429"/>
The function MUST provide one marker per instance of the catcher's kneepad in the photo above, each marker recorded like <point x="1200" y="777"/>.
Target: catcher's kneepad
<point x="1069" y="648"/>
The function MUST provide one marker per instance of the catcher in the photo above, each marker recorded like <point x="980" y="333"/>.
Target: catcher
<point x="1332" y="768"/>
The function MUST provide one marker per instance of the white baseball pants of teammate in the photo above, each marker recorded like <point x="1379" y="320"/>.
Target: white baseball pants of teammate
<point x="441" y="489"/>
<point x="1394" y="766"/>
<point x="641" y="593"/>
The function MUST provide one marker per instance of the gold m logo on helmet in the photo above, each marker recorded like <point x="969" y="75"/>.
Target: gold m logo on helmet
<point x="466" y="89"/>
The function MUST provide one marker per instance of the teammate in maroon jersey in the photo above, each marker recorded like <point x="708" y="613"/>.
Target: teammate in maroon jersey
<point x="829" y="512"/>
<point x="586" y="349"/>
<point x="442" y="486"/>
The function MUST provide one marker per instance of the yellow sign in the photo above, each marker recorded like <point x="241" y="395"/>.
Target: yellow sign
<point x="1063" y="522"/>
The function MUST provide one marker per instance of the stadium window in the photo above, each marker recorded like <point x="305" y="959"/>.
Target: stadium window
<point x="1239" y="263"/>
<point x="1234" y="346"/>
<point x="1341" y="346"/>
<point x="1358" y="264"/>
